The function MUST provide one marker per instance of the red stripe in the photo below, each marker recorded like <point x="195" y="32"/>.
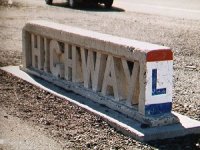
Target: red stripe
<point x="159" y="55"/>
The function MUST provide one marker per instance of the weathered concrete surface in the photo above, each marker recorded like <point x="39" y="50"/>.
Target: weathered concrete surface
<point x="126" y="75"/>
<point x="119" y="121"/>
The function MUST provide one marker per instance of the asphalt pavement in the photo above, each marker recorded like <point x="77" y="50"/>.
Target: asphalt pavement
<point x="185" y="9"/>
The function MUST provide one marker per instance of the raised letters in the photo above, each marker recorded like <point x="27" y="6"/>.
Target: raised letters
<point x="56" y="66"/>
<point x="72" y="60"/>
<point x="93" y="64"/>
<point x="37" y="46"/>
<point x="47" y="55"/>
<point x="132" y="81"/>
<point x="112" y="83"/>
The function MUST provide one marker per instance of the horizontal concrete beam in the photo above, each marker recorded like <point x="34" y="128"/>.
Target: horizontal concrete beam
<point x="123" y="47"/>
<point x="132" y="77"/>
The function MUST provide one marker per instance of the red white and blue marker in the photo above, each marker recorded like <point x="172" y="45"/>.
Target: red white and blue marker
<point x="159" y="82"/>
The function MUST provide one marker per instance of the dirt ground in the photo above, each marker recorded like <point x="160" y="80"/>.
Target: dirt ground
<point x="67" y="126"/>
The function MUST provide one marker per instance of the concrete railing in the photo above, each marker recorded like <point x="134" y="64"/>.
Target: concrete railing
<point x="132" y="77"/>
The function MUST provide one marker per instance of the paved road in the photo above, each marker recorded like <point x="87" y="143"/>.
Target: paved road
<point x="187" y="9"/>
<point x="184" y="9"/>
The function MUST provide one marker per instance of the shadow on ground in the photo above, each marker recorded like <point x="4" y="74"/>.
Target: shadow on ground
<point x="189" y="142"/>
<point x="90" y="7"/>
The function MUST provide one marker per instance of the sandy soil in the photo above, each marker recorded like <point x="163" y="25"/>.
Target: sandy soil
<point x="68" y="126"/>
<point x="17" y="134"/>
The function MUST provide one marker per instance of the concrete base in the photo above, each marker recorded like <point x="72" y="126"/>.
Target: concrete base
<point x="119" y="121"/>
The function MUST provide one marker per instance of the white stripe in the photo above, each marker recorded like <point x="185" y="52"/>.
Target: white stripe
<point x="164" y="80"/>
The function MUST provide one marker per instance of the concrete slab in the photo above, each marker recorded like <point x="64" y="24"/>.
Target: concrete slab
<point x="119" y="121"/>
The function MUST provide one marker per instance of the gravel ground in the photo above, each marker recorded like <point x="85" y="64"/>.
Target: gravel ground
<point x="69" y="124"/>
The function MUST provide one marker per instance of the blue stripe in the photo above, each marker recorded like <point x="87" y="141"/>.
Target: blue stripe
<point x="158" y="109"/>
